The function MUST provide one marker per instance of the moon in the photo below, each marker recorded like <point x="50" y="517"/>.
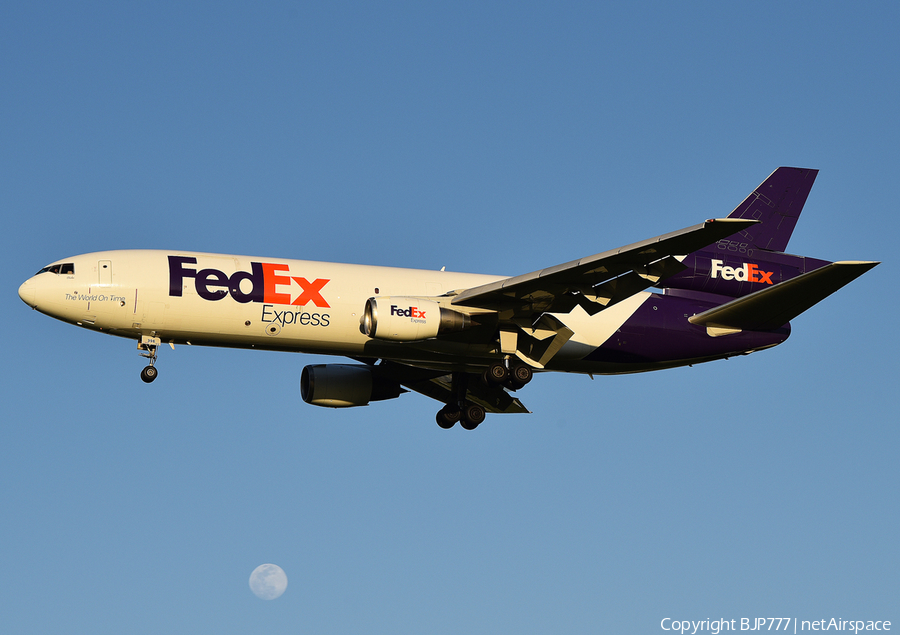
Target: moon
<point x="268" y="581"/>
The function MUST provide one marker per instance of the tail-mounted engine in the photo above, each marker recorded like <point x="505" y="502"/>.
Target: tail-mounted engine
<point x="345" y="385"/>
<point x="410" y="319"/>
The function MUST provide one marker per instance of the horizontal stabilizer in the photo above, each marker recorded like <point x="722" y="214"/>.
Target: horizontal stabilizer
<point x="776" y="306"/>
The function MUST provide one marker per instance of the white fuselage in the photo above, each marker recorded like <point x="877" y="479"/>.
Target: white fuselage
<point x="269" y="303"/>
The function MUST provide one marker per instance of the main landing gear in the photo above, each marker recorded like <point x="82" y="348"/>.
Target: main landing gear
<point x="498" y="374"/>
<point x="469" y="414"/>
<point x="148" y="346"/>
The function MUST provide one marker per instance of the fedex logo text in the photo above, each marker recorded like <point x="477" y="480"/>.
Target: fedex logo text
<point x="411" y="312"/>
<point x="264" y="280"/>
<point x="747" y="273"/>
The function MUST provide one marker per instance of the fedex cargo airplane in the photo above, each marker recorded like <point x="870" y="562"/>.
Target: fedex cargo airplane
<point x="722" y="288"/>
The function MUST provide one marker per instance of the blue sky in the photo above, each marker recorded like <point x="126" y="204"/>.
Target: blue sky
<point x="487" y="137"/>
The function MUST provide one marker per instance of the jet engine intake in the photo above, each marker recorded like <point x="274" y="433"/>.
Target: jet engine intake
<point x="410" y="319"/>
<point x="345" y="385"/>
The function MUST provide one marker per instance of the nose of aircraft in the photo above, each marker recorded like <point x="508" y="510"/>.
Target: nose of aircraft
<point x="26" y="292"/>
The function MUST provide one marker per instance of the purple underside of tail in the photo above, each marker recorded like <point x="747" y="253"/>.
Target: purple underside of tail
<point x="659" y="334"/>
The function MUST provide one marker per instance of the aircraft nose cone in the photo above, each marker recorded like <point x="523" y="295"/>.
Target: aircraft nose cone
<point x="26" y="292"/>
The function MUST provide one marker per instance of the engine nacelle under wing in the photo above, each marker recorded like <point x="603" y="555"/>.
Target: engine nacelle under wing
<point x="345" y="385"/>
<point x="410" y="319"/>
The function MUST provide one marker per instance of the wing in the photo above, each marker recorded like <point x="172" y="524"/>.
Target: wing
<point x="524" y="304"/>
<point x="597" y="281"/>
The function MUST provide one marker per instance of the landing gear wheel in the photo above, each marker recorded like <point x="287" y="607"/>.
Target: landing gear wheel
<point x="522" y="374"/>
<point x="519" y="376"/>
<point x="149" y="374"/>
<point x="495" y="375"/>
<point x="472" y="416"/>
<point x="447" y="417"/>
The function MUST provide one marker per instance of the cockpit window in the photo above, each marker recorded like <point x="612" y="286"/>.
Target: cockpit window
<point x="67" y="269"/>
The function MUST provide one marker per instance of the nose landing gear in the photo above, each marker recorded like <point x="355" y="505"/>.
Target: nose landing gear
<point x="148" y="346"/>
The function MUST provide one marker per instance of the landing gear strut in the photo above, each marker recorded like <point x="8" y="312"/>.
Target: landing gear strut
<point x="148" y="346"/>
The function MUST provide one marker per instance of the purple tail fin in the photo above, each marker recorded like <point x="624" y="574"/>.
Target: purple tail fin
<point x="777" y="203"/>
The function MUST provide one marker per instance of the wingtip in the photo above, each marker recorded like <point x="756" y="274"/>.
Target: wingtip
<point x="744" y="221"/>
<point x="859" y="263"/>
